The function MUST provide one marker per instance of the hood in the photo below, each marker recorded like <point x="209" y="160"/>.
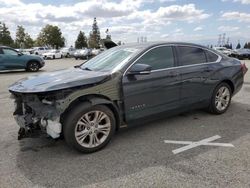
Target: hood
<point x="57" y="80"/>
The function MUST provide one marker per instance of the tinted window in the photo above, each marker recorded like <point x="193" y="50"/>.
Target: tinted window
<point x="211" y="57"/>
<point x="191" y="55"/>
<point x="158" y="58"/>
<point x="7" y="51"/>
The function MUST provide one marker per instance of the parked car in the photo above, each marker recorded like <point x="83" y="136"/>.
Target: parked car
<point x="11" y="59"/>
<point x="95" y="52"/>
<point x="87" y="104"/>
<point x="25" y="51"/>
<point x="53" y="54"/>
<point x="223" y="50"/>
<point x="68" y="52"/>
<point x="242" y="53"/>
<point x="39" y="50"/>
<point x="82" y="54"/>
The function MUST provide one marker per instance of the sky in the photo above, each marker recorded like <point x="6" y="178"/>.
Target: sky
<point x="198" y="21"/>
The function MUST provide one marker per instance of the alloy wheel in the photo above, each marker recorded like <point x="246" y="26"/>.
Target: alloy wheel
<point x="33" y="67"/>
<point x="222" y="98"/>
<point x="92" y="129"/>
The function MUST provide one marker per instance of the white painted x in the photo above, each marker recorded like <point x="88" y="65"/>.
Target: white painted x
<point x="204" y="142"/>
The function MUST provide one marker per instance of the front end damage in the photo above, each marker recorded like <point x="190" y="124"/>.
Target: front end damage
<point x="36" y="113"/>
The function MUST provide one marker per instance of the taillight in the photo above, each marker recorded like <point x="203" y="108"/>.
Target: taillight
<point x="244" y="68"/>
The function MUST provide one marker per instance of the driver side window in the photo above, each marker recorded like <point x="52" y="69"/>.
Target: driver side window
<point x="7" y="51"/>
<point x="158" y="58"/>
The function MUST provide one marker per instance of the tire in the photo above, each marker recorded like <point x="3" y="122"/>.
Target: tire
<point x="33" y="66"/>
<point x="78" y="134"/>
<point x="54" y="57"/>
<point x="221" y="99"/>
<point x="76" y="58"/>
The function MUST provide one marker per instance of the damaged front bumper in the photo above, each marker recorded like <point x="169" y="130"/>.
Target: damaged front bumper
<point x="34" y="115"/>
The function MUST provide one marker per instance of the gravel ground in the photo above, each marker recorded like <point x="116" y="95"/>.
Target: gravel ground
<point x="137" y="156"/>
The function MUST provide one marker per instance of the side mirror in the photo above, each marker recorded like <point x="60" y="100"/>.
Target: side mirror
<point x="140" y="69"/>
<point x="20" y="53"/>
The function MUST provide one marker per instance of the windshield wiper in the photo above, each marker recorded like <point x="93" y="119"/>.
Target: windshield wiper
<point x="86" y="68"/>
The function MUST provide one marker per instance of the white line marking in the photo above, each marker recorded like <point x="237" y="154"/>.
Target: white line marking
<point x="190" y="144"/>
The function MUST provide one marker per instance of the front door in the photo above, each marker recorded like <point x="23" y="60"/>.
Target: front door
<point x="1" y="60"/>
<point x="12" y="60"/>
<point x="156" y="92"/>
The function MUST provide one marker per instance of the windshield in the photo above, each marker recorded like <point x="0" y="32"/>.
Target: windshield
<point x="110" y="59"/>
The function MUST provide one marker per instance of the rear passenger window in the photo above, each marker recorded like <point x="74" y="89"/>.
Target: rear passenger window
<point x="211" y="57"/>
<point x="191" y="55"/>
<point x="158" y="58"/>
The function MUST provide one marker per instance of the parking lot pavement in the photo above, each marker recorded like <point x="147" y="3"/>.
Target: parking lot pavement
<point x="137" y="156"/>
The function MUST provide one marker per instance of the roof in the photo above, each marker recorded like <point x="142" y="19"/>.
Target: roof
<point x="5" y="47"/>
<point x="151" y="44"/>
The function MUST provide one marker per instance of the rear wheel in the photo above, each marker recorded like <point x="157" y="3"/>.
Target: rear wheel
<point x="89" y="129"/>
<point x="221" y="99"/>
<point x="33" y="66"/>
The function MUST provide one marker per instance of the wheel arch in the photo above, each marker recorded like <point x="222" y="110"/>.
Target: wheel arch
<point x="92" y="100"/>
<point x="32" y="60"/>
<point x="230" y="83"/>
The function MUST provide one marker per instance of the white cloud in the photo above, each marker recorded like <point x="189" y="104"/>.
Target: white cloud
<point x="228" y="28"/>
<point x="238" y="16"/>
<point x="199" y="28"/>
<point x="177" y="12"/>
<point x="10" y="2"/>
<point x="241" y="1"/>
<point x="125" y="19"/>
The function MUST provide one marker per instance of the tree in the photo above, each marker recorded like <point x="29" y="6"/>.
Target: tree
<point x="20" y="37"/>
<point x="81" y="41"/>
<point x="238" y="46"/>
<point x="94" y="37"/>
<point x="28" y="41"/>
<point x="247" y="45"/>
<point x="5" y="37"/>
<point x="51" y="36"/>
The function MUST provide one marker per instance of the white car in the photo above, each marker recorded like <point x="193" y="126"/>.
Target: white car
<point x="67" y="52"/>
<point x="223" y="50"/>
<point x="82" y="54"/>
<point x="95" y="52"/>
<point x="53" y="54"/>
<point x="39" y="50"/>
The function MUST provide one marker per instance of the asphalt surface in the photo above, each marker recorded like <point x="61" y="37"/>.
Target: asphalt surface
<point x="137" y="156"/>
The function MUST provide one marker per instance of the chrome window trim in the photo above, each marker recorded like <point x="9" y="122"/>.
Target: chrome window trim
<point x="177" y="67"/>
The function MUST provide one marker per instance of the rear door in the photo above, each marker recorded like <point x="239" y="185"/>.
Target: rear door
<point x="194" y="72"/>
<point x="156" y="92"/>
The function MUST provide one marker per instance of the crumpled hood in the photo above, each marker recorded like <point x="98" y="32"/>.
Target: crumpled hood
<point x="57" y="80"/>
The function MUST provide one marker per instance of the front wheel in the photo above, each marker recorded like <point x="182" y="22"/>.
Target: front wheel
<point x="221" y="99"/>
<point x="89" y="129"/>
<point x="33" y="66"/>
